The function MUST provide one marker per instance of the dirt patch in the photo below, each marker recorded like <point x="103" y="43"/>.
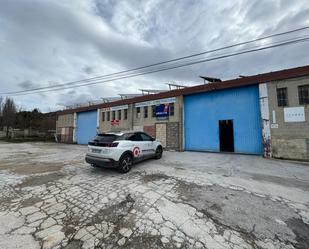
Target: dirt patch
<point x="74" y="244"/>
<point x="30" y="168"/>
<point x="287" y="182"/>
<point x="301" y="230"/>
<point x="70" y="222"/>
<point x="30" y="202"/>
<point x="250" y="215"/>
<point x="154" y="177"/>
<point x="153" y="242"/>
<point x="40" y="180"/>
<point x="114" y="214"/>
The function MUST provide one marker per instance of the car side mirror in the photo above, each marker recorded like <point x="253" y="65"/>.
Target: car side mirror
<point x="152" y="139"/>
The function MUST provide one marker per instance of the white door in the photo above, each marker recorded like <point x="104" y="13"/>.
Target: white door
<point x="148" y="143"/>
<point x="140" y="147"/>
<point x="161" y="133"/>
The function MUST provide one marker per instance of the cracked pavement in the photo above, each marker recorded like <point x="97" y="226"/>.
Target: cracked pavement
<point x="50" y="198"/>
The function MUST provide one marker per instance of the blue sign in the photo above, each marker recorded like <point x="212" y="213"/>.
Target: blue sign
<point x="162" y="111"/>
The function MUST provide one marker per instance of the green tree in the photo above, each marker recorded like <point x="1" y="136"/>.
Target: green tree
<point x="8" y="114"/>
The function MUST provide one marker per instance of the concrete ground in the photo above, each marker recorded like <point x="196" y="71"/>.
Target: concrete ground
<point x="50" y="198"/>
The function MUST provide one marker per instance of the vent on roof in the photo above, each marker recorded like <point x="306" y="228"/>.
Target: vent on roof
<point x="210" y="79"/>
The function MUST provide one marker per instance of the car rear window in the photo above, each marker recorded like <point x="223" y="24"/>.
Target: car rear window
<point x="125" y="136"/>
<point x="108" y="138"/>
<point x="103" y="139"/>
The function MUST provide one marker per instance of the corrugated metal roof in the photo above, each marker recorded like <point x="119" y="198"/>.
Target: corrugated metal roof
<point x="244" y="81"/>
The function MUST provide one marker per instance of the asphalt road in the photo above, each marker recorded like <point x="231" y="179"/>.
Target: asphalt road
<point x="50" y="198"/>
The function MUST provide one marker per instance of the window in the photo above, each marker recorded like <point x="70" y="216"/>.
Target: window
<point x="135" y="137"/>
<point x="138" y="112"/>
<point x="172" y="109"/>
<point x="303" y="94"/>
<point x="119" y="114"/>
<point x="145" y="137"/>
<point x="125" y="114"/>
<point x="103" y="116"/>
<point x="113" y="115"/>
<point x="145" y="111"/>
<point x="153" y="111"/>
<point x="108" y="116"/>
<point x="282" y="96"/>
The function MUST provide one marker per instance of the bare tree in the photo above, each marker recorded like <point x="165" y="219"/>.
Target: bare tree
<point x="9" y="114"/>
<point x="1" y="108"/>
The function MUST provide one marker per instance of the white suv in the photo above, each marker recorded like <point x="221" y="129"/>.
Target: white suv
<point x="122" y="149"/>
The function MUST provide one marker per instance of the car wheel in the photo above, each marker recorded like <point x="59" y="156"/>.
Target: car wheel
<point x="159" y="152"/>
<point x="125" y="163"/>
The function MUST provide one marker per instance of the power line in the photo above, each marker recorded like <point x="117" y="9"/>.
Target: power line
<point x="159" y="63"/>
<point x="290" y="42"/>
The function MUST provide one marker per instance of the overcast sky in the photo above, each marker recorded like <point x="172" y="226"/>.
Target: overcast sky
<point x="45" y="42"/>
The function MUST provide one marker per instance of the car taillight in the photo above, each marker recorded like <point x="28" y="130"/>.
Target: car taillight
<point x="113" y="145"/>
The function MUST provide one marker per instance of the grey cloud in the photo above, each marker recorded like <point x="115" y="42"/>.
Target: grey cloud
<point x="88" y="70"/>
<point x="57" y="41"/>
<point x="27" y="84"/>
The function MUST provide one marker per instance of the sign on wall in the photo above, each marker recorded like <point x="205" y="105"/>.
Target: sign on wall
<point x="156" y="102"/>
<point x="115" y="122"/>
<point x="162" y="111"/>
<point x="294" y="114"/>
<point x="115" y="108"/>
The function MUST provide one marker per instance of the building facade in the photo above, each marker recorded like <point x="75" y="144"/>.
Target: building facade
<point x="143" y="116"/>
<point x="224" y="121"/>
<point x="65" y="128"/>
<point x="289" y="118"/>
<point x="265" y="114"/>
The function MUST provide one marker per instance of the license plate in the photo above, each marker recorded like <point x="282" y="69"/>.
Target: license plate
<point x="105" y="151"/>
<point x="96" y="151"/>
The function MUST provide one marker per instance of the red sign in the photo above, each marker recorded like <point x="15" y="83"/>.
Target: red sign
<point x="115" y="122"/>
<point x="136" y="151"/>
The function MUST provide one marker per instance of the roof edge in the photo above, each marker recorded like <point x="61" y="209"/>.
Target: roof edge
<point x="237" y="82"/>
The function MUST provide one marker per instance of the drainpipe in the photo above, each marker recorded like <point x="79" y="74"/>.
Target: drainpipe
<point x="74" y="127"/>
<point x="132" y="116"/>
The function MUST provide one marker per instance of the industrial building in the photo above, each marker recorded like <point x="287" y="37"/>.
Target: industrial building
<point x="265" y="114"/>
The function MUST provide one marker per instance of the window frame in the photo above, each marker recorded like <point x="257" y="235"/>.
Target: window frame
<point x="153" y="109"/>
<point x="145" y="111"/>
<point x="138" y="112"/>
<point x="171" y="109"/>
<point x="303" y="100"/>
<point x="282" y="102"/>
<point x="135" y="134"/>
<point x="146" y="135"/>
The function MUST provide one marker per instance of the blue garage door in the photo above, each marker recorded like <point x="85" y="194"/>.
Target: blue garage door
<point x="86" y="126"/>
<point x="202" y="113"/>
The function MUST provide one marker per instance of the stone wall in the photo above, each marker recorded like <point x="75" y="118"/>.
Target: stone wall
<point x="288" y="139"/>
<point x="172" y="136"/>
<point x="290" y="148"/>
<point x="161" y="133"/>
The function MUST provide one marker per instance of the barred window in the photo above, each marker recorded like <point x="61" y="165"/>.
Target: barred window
<point x="119" y="114"/>
<point x="125" y="114"/>
<point x="103" y="116"/>
<point x="145" y="111"/>
<point x="172" y="109"/>
<point x="138" y="112"/>
<point x="153" y="111"/>
<point x="282" y="96"/>
<point x="303" y="94"/>
<point x="108" y="116"/>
